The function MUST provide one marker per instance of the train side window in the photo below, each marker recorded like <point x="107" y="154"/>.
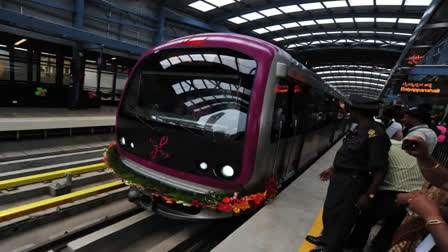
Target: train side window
<point x="281" y="121"/>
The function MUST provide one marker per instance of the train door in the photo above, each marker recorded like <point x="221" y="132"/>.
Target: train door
<point x="281" y="127"/>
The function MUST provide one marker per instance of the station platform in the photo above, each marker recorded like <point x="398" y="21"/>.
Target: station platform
<point x="283" y="224"/>
<point x="20" y="119"/>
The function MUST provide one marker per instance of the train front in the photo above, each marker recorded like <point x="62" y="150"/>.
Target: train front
<point x="181" y="131"/>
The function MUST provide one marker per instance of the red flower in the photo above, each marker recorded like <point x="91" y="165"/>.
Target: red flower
<point x="226" y="200"/>
<point x="224" y="207"/>
<point x="111" y="144"/>
<point x="257" y="198"/>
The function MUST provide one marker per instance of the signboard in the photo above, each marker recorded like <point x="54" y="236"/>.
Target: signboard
<point x="429" y="88"/>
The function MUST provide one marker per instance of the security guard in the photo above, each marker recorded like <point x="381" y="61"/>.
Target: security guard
<point x="357" y="172"/>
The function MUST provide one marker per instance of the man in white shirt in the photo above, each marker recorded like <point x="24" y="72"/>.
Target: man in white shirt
<point x="415" y="120"/>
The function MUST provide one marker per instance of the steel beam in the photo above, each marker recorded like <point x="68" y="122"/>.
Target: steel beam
<point x="430" y="70"/>
<point x="78" y="19"/>
<point x="173" y="16"/>
<point x="34" y="24"/>
<point x="161" y="24"/>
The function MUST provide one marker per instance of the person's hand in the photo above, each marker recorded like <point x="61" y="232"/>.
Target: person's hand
<point x="404" y="198"/>
<point x="326" y="174"/>
<point x="421" y="148"/>
<point x="426" y="208"/>
<point x="363" y="202"/>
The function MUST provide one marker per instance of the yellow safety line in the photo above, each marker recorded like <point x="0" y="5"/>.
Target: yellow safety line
<point x="316" y="228"/>
<point x="49" y="175"/>
<point x="19" y="211"/>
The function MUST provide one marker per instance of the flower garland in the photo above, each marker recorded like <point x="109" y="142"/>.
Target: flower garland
<point x="238" y="202"/>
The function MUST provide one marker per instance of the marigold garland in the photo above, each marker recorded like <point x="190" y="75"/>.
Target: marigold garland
<point x="238" y="202"/>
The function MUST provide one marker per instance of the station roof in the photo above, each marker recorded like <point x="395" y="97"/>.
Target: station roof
<point x="353" y="45"/>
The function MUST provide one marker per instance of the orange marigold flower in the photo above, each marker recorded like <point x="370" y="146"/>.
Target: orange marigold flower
<point x="236" y="210"/>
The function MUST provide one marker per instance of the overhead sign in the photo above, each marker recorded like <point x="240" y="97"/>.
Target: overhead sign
<point x="429" y="88"/>
<point x="415" y="59"/>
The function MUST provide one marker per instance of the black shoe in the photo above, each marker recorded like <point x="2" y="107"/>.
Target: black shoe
<point x="319" y="249"/>
<point x="316" y="240"/>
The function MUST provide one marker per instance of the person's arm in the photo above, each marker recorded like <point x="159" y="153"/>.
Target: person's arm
<point x="430" y="212"/>
<point x="431" y="170"/>
<point x="378" y="162"/>
<point x="398" y="135"/>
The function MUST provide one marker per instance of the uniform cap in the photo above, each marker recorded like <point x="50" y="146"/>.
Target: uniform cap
<point x="361" y="102"/>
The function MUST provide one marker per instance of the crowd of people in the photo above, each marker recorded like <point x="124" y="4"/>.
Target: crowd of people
<point x="385" y="174"/>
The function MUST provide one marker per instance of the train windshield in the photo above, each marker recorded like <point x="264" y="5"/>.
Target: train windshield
<point x="203" y="91"/>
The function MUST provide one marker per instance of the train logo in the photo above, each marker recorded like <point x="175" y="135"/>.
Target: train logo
<point x="159" y="153"/>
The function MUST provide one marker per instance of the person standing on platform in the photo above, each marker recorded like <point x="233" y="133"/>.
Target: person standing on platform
<point x="357" y="172"/>
<point x="393" y="128"/>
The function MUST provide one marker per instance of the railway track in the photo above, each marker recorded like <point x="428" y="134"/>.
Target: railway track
<point x="94" y="215"/>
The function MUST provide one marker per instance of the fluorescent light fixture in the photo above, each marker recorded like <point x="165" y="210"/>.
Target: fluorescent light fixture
<point x="305" y="35"/>
<point x="380" y="32"/>
<point x="20" y="42"/>
<point x="275" y="27"/>
<point x="290" y="8"/>
<point x="386" y="20"/>
<point x="343" y="20"/>
<point x="290" y="25"/>
<point x="271" y="12"/>
<point x="368" y="41"/>
<point x="315" y="42"/>
<point x="312" y="6"/>
<point x="409" y="21"/>
<point x="318" y="33"/>
<point x="292" y="46"/>
<point x="403" y="34"/>
<point x="290" y="36"/>
<point x="360" y="2"/>
<point x="252" y="16"/>
<point x="401" y="43"/>
<point x="417" y="2"/>
<point x="325" y="21"/>
<point x="365" y="20"/>
<point x="335" y="4"/>
<point x="305" y="23"/>
<point x="237" y="20"/>
<point x="366" y="32"/>
<point x="349" y="32"/>
<point x="279" y="39"/>
<point x="334" y="32"/>
<point x="261" y="31"/>
<point x="113" y="58"/>
<point x="202" y="6"/>
<point x="389" y="2"/>
<point x="220" y="3"/>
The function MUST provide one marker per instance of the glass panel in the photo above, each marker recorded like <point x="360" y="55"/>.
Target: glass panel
<point x="20" y="64"/>
<point x="4" y="64"/>
<point x="47" y="69"/>
<point x="66" y="71"/>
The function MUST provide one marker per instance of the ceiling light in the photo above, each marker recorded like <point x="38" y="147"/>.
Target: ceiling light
<point x="274" y="27"/>
<point x="202" y="6"/>
<point x="365" y="20"/>
<point x="417" y="2"/>
<point x="334" y="32"/>
<point x="402" y="34"/>
<point x="312" y="6"/>
<point x="343" y="20"/>
<point x="335" y="4"/>
<point x="349" y="32"/>
<point x="360" y="2"/>
<point x="305" y="23"/>
<point x="220" y="3"/>
<point x="389" y="2"/>
<point x="290" y="8"/>
<point x="318" y="33"/>
<point x="315" y="42"/>
<point x="237" y="20"/>
<point x="409" y="20"/>
<point x="305" y="35"/>
<point x="380" y="32"/>
<point x="290" y="36"/>
<point x="271" y="12"/>
<point x="290" y="25"/>
<point x="292" y="46"/>
<point x="386" y="20"/>
<point x="279" y="39"/>
<point x="20" y="42"/>
<point x="261" y="31"/>
<point x="252" y="16"/>
<point x="366" y="32"/>
<point x="325" y="21"/>
<point x="113" y="58"/>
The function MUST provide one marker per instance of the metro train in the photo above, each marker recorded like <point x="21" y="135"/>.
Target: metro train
<point x="221" y="113"/>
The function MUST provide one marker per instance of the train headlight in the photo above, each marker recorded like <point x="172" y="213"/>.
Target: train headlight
<point x="123" y="141"/>
<point x="227" y="171"/>
<point x="203" y="165"/>
<point x="132" y="145"/>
